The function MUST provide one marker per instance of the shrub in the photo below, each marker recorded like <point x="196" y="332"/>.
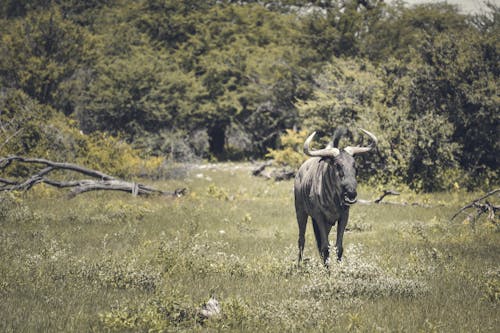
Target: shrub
<point x="157" y="315"/>
<point x="290" y="152"/>
<point x="35" y="130"/>
<point x="356" y="277"/>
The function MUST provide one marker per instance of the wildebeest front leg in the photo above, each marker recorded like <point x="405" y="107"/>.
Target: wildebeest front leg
<point x="340" y="233"/>
<point x="321" y="232"/>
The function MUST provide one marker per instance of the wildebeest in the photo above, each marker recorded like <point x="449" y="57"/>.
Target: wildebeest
<point x="325" y="187"/>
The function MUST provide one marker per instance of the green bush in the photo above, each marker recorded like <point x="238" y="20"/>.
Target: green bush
<point x="160" y="314"/>
<point x="185" y="80"/>
<point x="290" y="152"/>
<point x="35" y="130"/>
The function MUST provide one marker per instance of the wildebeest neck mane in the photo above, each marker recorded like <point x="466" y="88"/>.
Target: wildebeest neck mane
<point x="325" y="190"/>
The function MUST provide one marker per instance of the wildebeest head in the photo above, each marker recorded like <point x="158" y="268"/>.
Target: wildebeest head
<point x="343" y="165"/>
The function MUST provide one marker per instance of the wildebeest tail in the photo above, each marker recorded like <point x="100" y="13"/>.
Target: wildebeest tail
<point x="317" y="234"/>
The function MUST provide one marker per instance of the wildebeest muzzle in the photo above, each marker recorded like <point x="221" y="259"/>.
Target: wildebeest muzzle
<point x="349" y="197"/>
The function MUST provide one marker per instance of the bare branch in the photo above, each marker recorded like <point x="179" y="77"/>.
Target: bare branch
<point x="475" y="203"/>
<point x="8" y="181"/>
<point x="103" y="182"/>
<point x="386" y="193"/>
<point x="56" y="165"/>
<point x="258" y="171"/>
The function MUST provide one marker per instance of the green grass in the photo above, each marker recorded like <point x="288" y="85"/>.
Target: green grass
<point x="112" y="262"/>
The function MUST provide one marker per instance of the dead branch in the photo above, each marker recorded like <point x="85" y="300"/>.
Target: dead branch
<point x="283" y="174"/>
<point x="103" y="182"/>
<point x="386" y="193"/>
<point x="381" y="197"/>
<point x="258" y="171"/>
<point x="482" y="207"/>
<point x="4" y="162"/>
<point x="276" y="173"/>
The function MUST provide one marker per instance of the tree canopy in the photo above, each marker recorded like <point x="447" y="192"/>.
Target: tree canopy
<point x="230" y="79"/>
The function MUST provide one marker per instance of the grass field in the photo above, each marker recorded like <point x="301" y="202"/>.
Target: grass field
<point x="111" y="262"/>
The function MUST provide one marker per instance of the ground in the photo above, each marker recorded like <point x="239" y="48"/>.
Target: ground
<point x="113" y="262"/>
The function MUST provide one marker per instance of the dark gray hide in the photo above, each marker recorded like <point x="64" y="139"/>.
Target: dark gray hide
<point x="325" y="187"/>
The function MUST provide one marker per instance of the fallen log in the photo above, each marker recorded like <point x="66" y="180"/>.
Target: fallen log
<point x="103" y="182"/>
<point x="258" y="171"/>
<point x="266" y="170"/>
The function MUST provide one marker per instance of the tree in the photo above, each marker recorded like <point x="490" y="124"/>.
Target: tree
<point x="223" y="46"/>
<point x="458" y="81"/>
<point x="41" y="54"/>
<point x="347" y="94"/>
<point x="415" y="145"/>
<point x="342" y="29"/>
<point x="395" y="30"/>
<point x="22" y="122"/>
<point x="135" y="95"/>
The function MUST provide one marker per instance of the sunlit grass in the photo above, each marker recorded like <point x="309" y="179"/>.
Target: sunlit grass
<point x="109" y="261"/>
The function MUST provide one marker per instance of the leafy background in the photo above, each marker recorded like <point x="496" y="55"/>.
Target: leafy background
<point x="183" y="80"/>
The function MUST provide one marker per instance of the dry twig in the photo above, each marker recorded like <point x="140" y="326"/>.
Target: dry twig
<point x="480" y="207"/>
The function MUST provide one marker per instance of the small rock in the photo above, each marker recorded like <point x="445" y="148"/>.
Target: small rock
<point x="210" y="309"/>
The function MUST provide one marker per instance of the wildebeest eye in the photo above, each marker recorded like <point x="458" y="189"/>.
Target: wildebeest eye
<point x="340" y="170"/>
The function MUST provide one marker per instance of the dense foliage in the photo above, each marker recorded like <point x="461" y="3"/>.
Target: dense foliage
<point x="224" y="79"/>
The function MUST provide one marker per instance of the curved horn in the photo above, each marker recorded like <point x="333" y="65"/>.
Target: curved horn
<point x="327" y="152"/>
<point x="360" y="150"/>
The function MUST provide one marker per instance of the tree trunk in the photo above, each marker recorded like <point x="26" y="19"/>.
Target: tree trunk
<point x="217" y="140"/>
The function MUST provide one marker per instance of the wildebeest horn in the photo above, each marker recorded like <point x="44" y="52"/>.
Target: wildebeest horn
<point x="327" y="152"/>
<point x="359" y="150"/>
